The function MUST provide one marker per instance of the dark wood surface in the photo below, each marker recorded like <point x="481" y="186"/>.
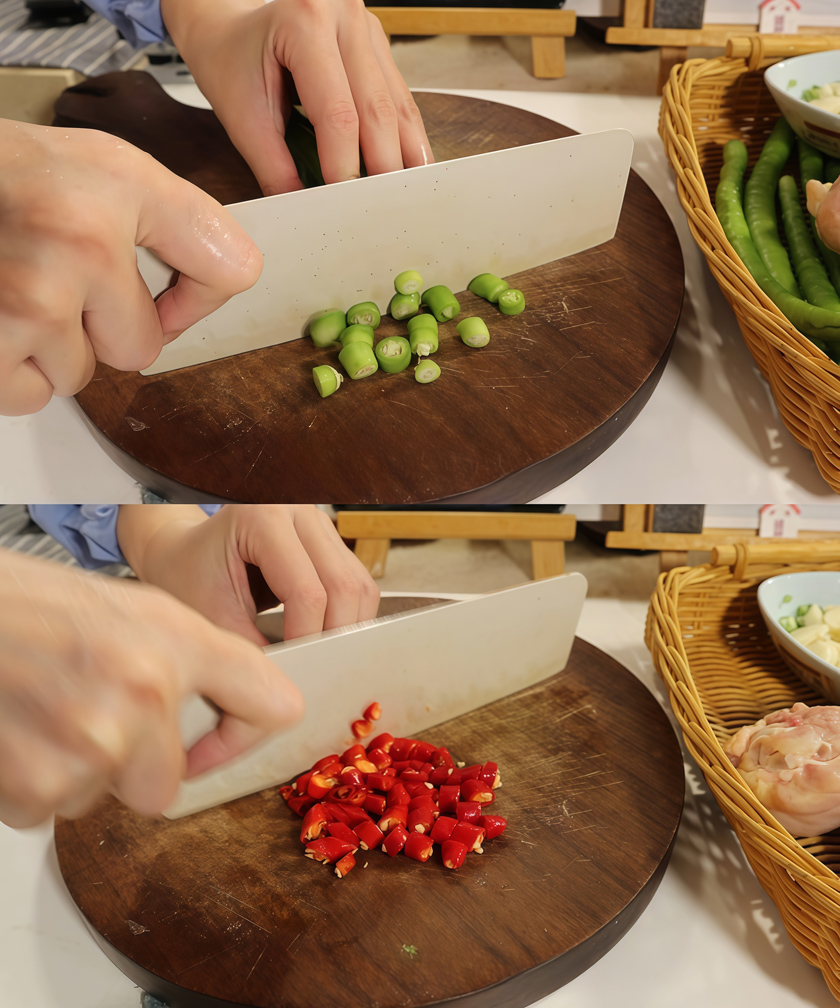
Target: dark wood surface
<point x="221" y="908"/>
<point x="556" y="386"/>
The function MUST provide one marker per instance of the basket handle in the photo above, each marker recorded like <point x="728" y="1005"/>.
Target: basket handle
<point x="758" y="49"/>
<point x="740" y="555"/>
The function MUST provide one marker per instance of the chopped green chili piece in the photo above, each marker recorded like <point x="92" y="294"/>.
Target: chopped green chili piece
<point x="408" y="282"/>
<point x="404" y="305"/>
<point x="442" y="302"/>
<point x="788" y="623"/>
<point x="357" y="333"/>
<point x="511" y="302"/>
<point x="488" y="286"/>
<point x="426" y="371"/>
<point x="423" y="334"/>
<point x="358" y="360"/>
<point x="423" y="321"/>
<point x="326" y="379"/>
<point x="393" y="354"/>
<point x="364" y="313"/>
<point x="327" y="327"/>
<point x="473" y="331"/>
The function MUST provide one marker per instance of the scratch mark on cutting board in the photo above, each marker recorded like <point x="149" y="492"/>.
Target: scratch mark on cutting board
<point x="575" y="710"/>
<point x="247" y="474"/>
<point x="219" y="903"/>
<point x="294" y="940"/>
<point x="231" y="896"/>
<point x="208" y="958"/>
<point x="251" y="970"/>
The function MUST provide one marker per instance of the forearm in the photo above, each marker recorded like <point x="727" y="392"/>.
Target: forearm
<point x="147" y="533"/>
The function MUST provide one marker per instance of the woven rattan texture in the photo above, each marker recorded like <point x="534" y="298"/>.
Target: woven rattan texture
<point x="705" y="103"/>
<point x="721" y="668"/>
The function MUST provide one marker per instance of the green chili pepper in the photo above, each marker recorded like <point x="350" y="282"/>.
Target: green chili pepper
<point x="441" y="302"/>
<point x="426" y="371"/>
<point x="808" y="319"/>
<point x="357" y="333"/>
<point x="408" y="282"/>
<point x="326" y="328"/>
<point x="423" y="335"/>
<point x="473" y="331"/>
<point x="811" y="167"/>
<point x="760" y="205"/>
<point x="326" y="379"/>
<point x="487" y="286"/>
<point x="511" y="301"/>
<point x="832" y="170"/>
<point x="404" y="305"/>
<point x="812" y="275"/>
<point x="364" y="313"/>
<point x="358" y="360"/>
<point x="393" y="354"/>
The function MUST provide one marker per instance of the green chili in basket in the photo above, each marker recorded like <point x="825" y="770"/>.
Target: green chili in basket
<point x="809" y="269"/>
<point x="811" y="167"/>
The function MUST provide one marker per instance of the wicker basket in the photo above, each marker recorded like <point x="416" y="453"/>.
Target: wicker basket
<point x="705" y="103"/>
<point x="722" y="670"/>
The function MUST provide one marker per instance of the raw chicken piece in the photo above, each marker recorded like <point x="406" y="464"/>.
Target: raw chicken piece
<point x="790" y="759"/>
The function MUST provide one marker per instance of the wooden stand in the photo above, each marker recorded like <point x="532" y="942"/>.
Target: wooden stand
<point x="548" y="29"/>
<point x="674" y="547"/>
<point x="374" y="530"/>
<point x="636" y="29"/>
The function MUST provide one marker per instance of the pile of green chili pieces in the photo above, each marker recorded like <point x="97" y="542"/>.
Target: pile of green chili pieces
<point x="799" y="274"/>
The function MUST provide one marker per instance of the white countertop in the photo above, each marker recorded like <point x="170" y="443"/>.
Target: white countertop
<point x="710" y="432"/>
<point x="710" y="937"/>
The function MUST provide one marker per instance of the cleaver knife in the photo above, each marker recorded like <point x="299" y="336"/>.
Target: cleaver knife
<point x="333" y="246"/>
<point x="424" y="666"/>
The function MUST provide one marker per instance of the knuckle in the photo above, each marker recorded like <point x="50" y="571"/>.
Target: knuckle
<point x="342" y="117"/>
<point x="409" y="112"/>
<point x="312" y="595"/>
<point x="381" y="109"/>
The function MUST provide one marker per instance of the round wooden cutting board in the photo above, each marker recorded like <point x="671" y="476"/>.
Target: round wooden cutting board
<point x="556" y="386"/>
<point x="222" y="909"/>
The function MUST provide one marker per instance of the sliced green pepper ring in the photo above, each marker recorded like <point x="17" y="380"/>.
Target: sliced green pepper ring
<point x="404" y="305"/>
<point x="423" y="341"/>
<point x="423" y="321"/>
<point x="393" y="354"/>
<point x="326" y="379"/>
<point x="326" y="328"/>
<point x="426" y="371"/>
<point x="511" y="302"/>
<point x="487" y="286"/>
<point x="442" y="302"/>
<point x="473" y="331"/>
<point x="358" y="360"/>
<point x="408" y="282"/>
<point x="357" y="334"/>
<point x="364" y="313"/>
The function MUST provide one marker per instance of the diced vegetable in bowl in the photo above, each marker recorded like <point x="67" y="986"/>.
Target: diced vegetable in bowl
<point x="802" y="614"/>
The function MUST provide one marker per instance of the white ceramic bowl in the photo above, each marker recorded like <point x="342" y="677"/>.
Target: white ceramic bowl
<point x="781" y="596"/>
<point x="786" y="81"/>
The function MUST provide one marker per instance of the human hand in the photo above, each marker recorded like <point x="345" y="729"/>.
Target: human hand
<point x="249" y="57"/>
<point x="73" y="206"/>
<point x="92" y="673"/>
<point x="203" y="561"/>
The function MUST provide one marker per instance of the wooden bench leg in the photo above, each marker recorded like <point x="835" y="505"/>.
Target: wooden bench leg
<point x="374" y="554"/>
<point x="548" y="53"/>
<point x="548" y="557"/>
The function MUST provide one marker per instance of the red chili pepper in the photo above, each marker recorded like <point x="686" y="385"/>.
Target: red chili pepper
<point x="475" y="790"/>
<point x="328" y="849"/>
<point x="469" y="772"/>
<point x="442" y="758"/>
<point x="344" y="865"/>
<point x="375" y="804"/>
<point x="369" y="834"/>
<point x="320" y="785"/>
<point x="415" y="788"/>
<point x="440" y="775"/>
<point x="424" y="801"/>
<point x="324" y="762"/>
<point x="453" y="853"/>
<point x="373" y="712"/>
<point x="383" y="742"/>
<point x="354" y="752"/>
<point x="351" y="775"/>
<point x="348" y="794"/>
<point x="395" y="815"/>
<point x="469" y="834"/>
<point x="286" y="791"/>
<point x="314" y="824"/>
<point x="398" y="795"/>
<point x="301" y="783"/>
<point x="410" y="774"/>
<point x="380" y="759"/>
<point x="343" y="832"/>
<point x="364" y="764"/>
<point x="395" y="840"/>
<point x="361" y="728"/>
<point x="490" y="775"/>
<point x="467" y="811"/>
<point x="418" y="847"/>
<point x="301" y="804"/>
<point x="350" y="814"/>
<point x="420" y="820"/>
<point x="493" y="825"/>
<point x="402" y="748"/>
<point x="380" y="781"/>
<point x="442" y="829"/>
<point x="423" y="750"/>
<point x="448" y="797"/>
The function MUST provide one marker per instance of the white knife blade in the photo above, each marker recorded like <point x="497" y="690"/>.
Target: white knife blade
<point x="424" y="666"/>
<point x="332" y="246"/>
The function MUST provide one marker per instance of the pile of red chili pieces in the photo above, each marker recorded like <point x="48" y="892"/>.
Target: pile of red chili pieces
<point x="400" y="794"/>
